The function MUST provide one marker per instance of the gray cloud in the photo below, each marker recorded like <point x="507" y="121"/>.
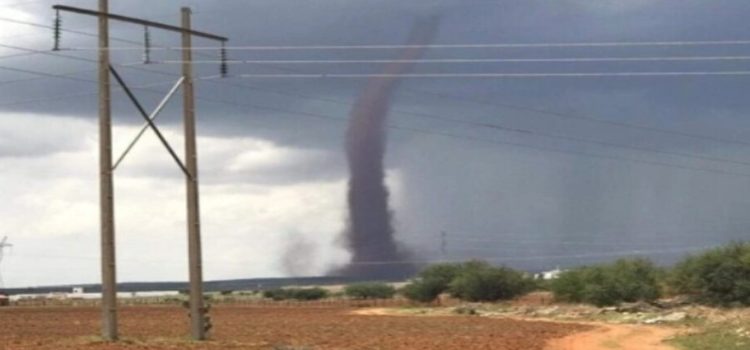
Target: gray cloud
<point x="464" y="186"/>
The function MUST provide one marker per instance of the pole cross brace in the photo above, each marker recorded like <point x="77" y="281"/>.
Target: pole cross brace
<point x="149" y="121"/>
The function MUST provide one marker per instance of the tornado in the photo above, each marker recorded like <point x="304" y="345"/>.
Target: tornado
<point x="369" y="234"/>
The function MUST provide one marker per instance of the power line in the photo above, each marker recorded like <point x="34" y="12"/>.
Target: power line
<point x="455" y="46"/>
<point x="551" y="113"/>
<point x="491" y="75"/>
<point x="603" y="143"/>
<point x="486" y="125"/>
<point x="139" y="44"/>
<point x="508" y="129"/>
<point x="44" y="74"/>
<point x="72" y="31"/>
<point x="470" y="60"/>
<point x="481" y="140"/>
<point x="23" y="54"/>
<point x="444" y="95"/>
<point x="297" y="94"/>
<point x="23" y="3"/>
<point x="416" y="130"/>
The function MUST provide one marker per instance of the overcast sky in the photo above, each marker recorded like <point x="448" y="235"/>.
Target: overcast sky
<point x="570" y="184"/>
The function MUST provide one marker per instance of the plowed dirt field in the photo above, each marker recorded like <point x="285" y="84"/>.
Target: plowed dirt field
<point x="244" y="327"/>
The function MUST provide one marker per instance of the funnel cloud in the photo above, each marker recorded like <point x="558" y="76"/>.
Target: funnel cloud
<point x="369" y="235"/>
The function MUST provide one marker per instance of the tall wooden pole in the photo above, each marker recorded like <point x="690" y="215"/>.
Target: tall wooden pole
<point x="197" y="311"/>
<point x="106" y="190"/>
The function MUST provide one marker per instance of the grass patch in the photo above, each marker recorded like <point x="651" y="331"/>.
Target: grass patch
<point x="717" y="337"/>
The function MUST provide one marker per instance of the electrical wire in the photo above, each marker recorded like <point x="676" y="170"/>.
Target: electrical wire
<point x="509" y="129"/>
<point x="44" y="74"/>
<point x="451" y="46"/>
<point x="491" y="75"/>
<point x="526" y="131"/>
<point x="39" y="25"/>
<point x="23" y="3"/>
<point x="493" y="103"/>
<point x="416" y="130"/>
<point x="468" y="60"/>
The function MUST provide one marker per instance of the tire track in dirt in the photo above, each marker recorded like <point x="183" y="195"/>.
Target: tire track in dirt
<point x="602" y="336"/>
<point x="616" y="336"/>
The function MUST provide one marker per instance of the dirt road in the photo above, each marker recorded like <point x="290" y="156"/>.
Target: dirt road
<point x="621" y="337"/>
<point x="600" y="336"/>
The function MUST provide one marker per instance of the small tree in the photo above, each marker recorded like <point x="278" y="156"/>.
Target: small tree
<point x="307" y="294"/>
<point x="370" y="290"/>
<point x="304" y="294"/>
<point x="431" y="282"/>
<point x="720" y="276"/>
<point x="276" y="294"/>
<point x="443" y="274"/>
<point x="424" y="290"/>
<point x="622" y="281"/>
<point x="481" y="282"/>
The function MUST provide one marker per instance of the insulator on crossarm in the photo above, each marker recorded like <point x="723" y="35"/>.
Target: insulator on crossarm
<point x="223" y="69"/>
<point x="146" y="45"/>
<point x="57" y="31"/>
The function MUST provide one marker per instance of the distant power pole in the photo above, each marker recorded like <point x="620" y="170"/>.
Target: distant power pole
<point x="443" y="244"/>
<point x="3" y="244"/>
<point x="198" y="320"/>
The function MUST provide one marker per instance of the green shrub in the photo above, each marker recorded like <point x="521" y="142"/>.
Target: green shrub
<point x="370" y="291"/>
<point x="304" y="294"/>
<point x="444" y="274"/>
<point x="309" y="294"/>
<point x="719" y="277"/>
<point x="276" y="294"/>
<point x="471" y="281"/>
<point x="482" y="282"/>
<point x="424" y="290"/>
<point x="622" y="281"/>
<point x="431" y="282"/>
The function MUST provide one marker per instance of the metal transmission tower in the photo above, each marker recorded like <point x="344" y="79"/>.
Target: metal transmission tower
<point x="198" y="320"/>
<point x="3" y="244"/>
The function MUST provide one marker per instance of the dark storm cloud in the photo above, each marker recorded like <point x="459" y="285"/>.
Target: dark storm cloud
<point x="462" y="185"/>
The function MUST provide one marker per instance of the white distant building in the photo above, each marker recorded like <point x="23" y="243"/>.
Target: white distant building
<point x="549" y="275"/>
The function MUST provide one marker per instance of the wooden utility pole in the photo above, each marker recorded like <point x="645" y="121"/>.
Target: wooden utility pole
<point x="197" y="310"/>
<point x="106" y="188"/>
<point x="199" y="324"/>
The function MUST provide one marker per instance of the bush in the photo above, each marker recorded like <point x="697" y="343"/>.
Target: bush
<point x="276" y="294"/>
<point x="432" y="282"/>
<point x="309" y="294"/>
<point x="481" y="282"/>
<point x="370" y="291"/>
<point x="444" y="274"/>
<point x="304" y="294"/>
<point x="424" y="290"/>
<point x="622" y="281"/>
<point x="719" y="277"/>
<point x="471" y="281"/>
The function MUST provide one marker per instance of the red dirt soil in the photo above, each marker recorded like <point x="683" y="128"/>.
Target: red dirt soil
<point x="243" y="327"/>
